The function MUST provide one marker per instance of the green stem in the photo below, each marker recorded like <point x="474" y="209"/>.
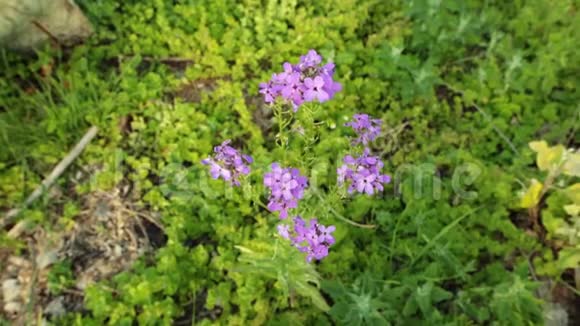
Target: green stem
<point x="441" y="233"/>
<point x="344" y="219"/>
<point x="259" y="202"/>
<point x="282" y="140"/>
<point x="570" y="287"/>
<point x="399" y="218"/>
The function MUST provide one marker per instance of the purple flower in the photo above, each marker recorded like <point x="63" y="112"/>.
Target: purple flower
<point x="302" y="181"/>
<point x="314" y="89"/>
<point x="286" y="188"/>
<point x="311" y="59"/>
<point x="282" y="206"/>
<point x="330" y="86"/>
<point x="217" y="171"/>
<point x="284" y="231"/>
<point x="342" y="173"/>
<point x="317" y="252"/>
<point x="365" y="182"/>
<point x="325" y="233"/>
<point x="312" y="238"/>
<point x="227" y="163"/>
<point x="274" y="177"/>
<point x="328" y="69"/>
<point x="293" y="89"/>
<point x="362" y="174"/>
<point x="367" y="128"/>
<point x="268" y="92"/>
<point x="299" y="229"/>
<point x="307" y="81"/>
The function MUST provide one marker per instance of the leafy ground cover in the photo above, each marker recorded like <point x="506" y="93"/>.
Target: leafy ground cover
<point x="137" y="231"/>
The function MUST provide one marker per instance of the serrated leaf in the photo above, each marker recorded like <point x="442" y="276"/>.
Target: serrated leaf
<point x="314" y="294"/>
<point x="532" y="196"/>
<point x="334" y="288"/>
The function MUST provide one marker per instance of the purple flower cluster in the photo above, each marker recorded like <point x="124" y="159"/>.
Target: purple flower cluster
<point x="286" y="188"/>
<point x="314" y="239"/>
<point x="228" y="163"/>
<point x="363" y="174"/>
<point x="367" y="128"/>
<point x="307" y="81"/>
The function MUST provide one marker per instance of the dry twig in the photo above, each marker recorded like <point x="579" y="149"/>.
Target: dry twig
<point x="48" y="181"/>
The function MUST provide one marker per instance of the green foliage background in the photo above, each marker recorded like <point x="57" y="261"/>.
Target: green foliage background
<point x="456" y="82"/>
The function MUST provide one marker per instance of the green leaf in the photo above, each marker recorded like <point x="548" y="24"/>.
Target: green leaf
<point x="423" y="297"/>
<point x="410" y="307"/>
<point x="551" y="222"/>
<point x="439" y="294"/>
<point x="569" y="258"/>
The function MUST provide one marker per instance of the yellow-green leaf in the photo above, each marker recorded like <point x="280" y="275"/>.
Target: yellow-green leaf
<point x="572" y="165"/>
<point x="547" y="156"/>
<point x="532" y="196"/>
<point x="552" y="223"/>
<point x="574" y="193"/>
<point x="572" y="210"/>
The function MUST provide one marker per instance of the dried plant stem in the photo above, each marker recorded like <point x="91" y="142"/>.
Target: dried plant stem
<point x="165" y="61"/>
<point x="48" y="181"/>
<point x="32" y="287"/>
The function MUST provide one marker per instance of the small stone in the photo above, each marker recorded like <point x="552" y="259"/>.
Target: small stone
<point x="55" y="307"/>
<point x="555" y="315"/>
<point x="46" y="259"/>
<point x="117" y="251"/>
<point x="12" y="307"/>
<point x="18" y="261"/>
<point x="10" y="290"/>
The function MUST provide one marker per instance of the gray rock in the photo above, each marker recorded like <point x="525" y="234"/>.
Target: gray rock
<point x="27" y="24"/>
<point x="55" y="307"/>
<point x="555" y="315"/>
